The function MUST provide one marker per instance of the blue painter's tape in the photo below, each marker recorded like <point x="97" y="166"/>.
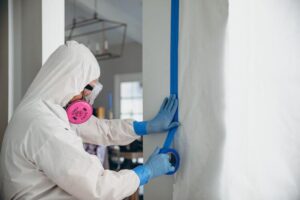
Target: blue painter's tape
<point x="174" y="158"/>
<point x="173" y="63"/>
<point x="173" y="80"/>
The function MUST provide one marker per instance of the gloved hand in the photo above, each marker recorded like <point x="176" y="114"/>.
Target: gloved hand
<point x="162" y="121"/>
<point x="156" y="165"/>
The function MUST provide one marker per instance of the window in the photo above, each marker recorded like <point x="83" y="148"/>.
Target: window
<point x="129" y="96"/>
<point x="131" y="101"/>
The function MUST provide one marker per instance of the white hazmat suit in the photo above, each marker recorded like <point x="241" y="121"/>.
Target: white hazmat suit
<point x="42" y="157"/>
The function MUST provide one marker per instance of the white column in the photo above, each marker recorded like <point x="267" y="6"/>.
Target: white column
<point x="53" y="26"/>
<point x="156" y="74"/>
<point x="38" y="29"/>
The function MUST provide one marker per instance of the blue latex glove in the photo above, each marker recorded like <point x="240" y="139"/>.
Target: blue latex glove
<point x="162" y="121"/>
<point x="156" y="165"/>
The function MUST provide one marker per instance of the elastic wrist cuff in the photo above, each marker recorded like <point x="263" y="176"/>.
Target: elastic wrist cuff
<point x="140" y="127"/>
<point x="143" y="174"/>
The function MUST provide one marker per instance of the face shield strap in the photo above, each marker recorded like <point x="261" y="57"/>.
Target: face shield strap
<point x="94" y="93"/>
<point x="89" y="87"/>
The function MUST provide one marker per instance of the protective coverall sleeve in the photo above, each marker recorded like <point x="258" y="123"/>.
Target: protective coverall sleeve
<point x="106" y="132"/>
<point x="63" y="159"/>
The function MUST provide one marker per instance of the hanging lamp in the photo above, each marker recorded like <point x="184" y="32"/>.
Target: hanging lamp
<point x="105" y="38"/>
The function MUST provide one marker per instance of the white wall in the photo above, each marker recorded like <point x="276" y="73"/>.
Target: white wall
<point x="156" y="32"/>
<point x="30" y="42"/>
<point x="4" y="62"/>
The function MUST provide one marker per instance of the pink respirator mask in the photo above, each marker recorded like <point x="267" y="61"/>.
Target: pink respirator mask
<point x="80" y="111"/>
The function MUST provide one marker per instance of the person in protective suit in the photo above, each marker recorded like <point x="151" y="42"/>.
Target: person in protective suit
<point x="42" y="155"/>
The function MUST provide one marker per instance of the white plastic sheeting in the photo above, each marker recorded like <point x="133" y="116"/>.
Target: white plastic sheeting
<point x="262" y="88"/>
<point x="201" y="136"/>
<point x="239" y="103"/>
